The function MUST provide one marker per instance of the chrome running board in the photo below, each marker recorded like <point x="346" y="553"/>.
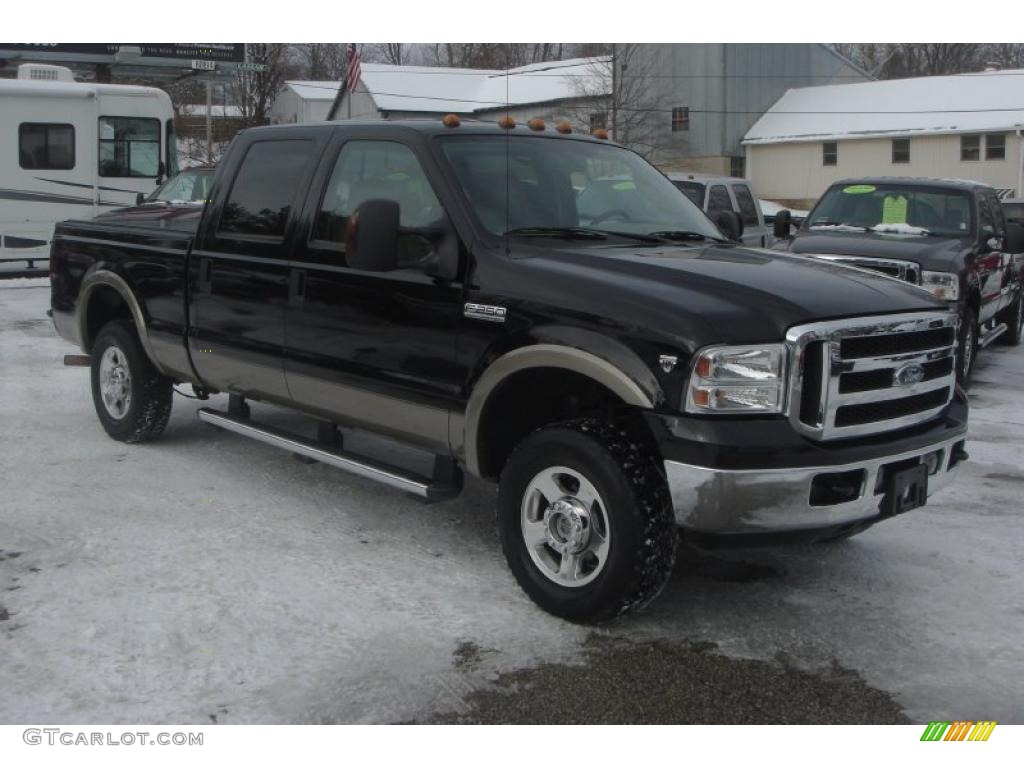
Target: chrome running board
<point x="423" y="487"/>
<point x="992" y="335"/>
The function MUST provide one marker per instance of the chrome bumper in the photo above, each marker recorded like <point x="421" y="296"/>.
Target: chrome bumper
<point x="776" y="500"/>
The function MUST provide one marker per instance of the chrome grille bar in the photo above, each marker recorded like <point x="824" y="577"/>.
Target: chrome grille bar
<point x="913" y="396"/>
<point x="907" y="271"/>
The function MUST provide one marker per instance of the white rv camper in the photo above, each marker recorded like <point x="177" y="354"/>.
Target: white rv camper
<point x="72" y="150"/>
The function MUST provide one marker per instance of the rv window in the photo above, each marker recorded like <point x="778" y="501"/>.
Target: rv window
<point x="46" y="146"/>
<point x="129" y="146"/>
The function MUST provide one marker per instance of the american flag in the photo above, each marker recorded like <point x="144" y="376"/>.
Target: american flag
<point x="352" y="75"/>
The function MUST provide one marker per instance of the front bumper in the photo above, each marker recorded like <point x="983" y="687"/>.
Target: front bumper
<point x="784" y="499"/>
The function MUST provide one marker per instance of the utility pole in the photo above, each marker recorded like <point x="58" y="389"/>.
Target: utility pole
<point x="615" y="92"/>
<point x="209" y="122"/>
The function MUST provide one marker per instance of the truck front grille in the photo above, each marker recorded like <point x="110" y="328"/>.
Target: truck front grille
<point x="869" y="375"/>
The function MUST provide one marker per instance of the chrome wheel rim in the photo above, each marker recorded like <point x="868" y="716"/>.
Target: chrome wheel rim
<point x="565" y="526"/>
<point x="115" y="382"/>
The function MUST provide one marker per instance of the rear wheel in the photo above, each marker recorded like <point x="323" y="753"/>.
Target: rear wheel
<point x="1013" y="316"/>
<point x="132" y="398"/>
<point x="967" y="346"/>
<point x="585" y="521"/>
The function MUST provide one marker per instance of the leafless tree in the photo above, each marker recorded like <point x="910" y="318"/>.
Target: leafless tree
<point x="322" y="61"/>
<point x="892" y="60"/>
<point x="387" y="53"/>
<point x="493" y="55"/>
<point x="254" y="92"/>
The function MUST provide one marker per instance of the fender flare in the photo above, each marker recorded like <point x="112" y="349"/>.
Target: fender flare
<point x="106" y="278"/>
<point x="544" y="356"/>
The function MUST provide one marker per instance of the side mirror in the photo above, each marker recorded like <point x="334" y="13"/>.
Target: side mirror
<point x="371" y="236"/>
<point x="140" y="198"/>
<point x="783" y="222"/>
<point x="730" y="223"/>
<point x="1013" y="242"/>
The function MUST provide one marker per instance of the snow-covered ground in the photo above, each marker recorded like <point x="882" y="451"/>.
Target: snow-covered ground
<point x="206" y="577"/>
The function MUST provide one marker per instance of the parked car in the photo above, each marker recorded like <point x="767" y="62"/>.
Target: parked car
<point x="948" y="237"/>
<point x="617" y="379"/>
<point x="1013" y="209"/>
<point x="714" y="194"/>
<point x="191" y="186"/>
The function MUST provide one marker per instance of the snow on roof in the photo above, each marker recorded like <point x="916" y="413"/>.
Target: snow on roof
<point x="216" y="110"/>
<point x="442" y="89"/>
<point x="919" y="105"/>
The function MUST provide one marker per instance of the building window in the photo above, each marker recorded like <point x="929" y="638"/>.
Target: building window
<point x="901" y="150"/>
<point x="597" y="120"/>
<point x="46" y="146"/>
<point x="129" y="146"/>
<point x="829" y="153"/>
<point x="970" y="148"/>
<point x="680" y="118"/>
<point x="995" y="146"/>
<point x="737" y="167"/>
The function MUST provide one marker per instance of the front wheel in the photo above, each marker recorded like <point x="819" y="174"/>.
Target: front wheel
<point x="967" y="346"/>
<point x="132" y="398"/>
<point x="586" y="522"/>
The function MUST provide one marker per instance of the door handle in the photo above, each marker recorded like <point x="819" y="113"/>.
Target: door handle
<point x="298" y="284"/>
<point x="205" y="274"/>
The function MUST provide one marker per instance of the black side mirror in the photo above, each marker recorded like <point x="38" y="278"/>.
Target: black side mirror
<point x="140" y="198"/>
<point x="371" y="236"/>
<point x="1013" y="242"/>
<point x="730" y="223"/>
<point x="782" y="224"/>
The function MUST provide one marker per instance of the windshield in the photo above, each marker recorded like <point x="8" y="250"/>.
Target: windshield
<point x="189" y="186"/>
<point x="693" y="190"/>
<point x="530" y="185"/>
<point x="895" y="209"/>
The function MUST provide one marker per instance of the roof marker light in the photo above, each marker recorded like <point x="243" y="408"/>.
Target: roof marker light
<point x="536" y="124"/>
<point x="507" y="122"/>
<point x="600" y="133"/>
<point x="451" y="121"/>
<point x="564" y="127"/>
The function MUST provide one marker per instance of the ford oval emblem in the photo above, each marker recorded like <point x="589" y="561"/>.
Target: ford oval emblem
<point x="911" y="373"/>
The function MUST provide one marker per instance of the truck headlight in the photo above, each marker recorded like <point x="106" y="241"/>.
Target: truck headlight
<point x="941" y="285"/>
<point x="747" y="379"/>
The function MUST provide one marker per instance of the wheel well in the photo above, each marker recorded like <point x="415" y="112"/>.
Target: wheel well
<point x="532" y="398"/>
<point x="105" y="304"/>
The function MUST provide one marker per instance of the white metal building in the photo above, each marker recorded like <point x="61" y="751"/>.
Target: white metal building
<point x="956" y="126"/>
<point x="551" y="90"/>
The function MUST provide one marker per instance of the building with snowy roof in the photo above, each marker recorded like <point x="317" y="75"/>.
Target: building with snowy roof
<point x="957" y="126"/>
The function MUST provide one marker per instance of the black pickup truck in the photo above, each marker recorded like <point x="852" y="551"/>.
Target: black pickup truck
<point x="620" y="375"/>
<point x="949" y="237"/>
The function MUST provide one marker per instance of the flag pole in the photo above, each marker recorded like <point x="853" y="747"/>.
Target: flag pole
<point x="333" y="111"/>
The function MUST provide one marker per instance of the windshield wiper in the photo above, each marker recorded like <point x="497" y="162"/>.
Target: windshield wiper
<point x="683" y="234"/>
<point x="570" y="233"/>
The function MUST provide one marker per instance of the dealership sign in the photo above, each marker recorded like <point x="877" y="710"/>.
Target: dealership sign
<point x="187" y="52"/>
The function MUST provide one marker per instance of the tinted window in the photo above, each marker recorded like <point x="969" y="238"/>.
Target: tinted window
<point x="748" y="208"/>
<point x="46" y="146"/>
<point x="129" y="146"/>
<point x="718" y="199"/>
<point x="264" y="190"/>
<point x="1014" y="211"/>
<point x="376" y="170"/>
<point x="693" y="190"/>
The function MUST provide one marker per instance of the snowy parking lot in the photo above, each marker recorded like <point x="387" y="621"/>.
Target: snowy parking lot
<point x="207" y="578"/>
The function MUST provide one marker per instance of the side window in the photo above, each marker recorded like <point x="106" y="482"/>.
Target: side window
<point x="987" y="222"/>
<point x="265" y="187"/>
<point x="718" y="199"/>
<point x="129" y="146"/>
<point x="998" y="217"/>
<point x="375" y="170"/>
<point x="46" y="146"/>
<point x="748" y="208"/>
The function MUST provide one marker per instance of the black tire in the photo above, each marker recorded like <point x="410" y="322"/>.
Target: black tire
<point x="967" y="346"/>
<point x="635" y="508"/>
<point x="148" y="395"/>
<point x="1013" y="316"/>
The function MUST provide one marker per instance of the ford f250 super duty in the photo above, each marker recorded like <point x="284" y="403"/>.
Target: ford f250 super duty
<point x="619" y="374"/>
<point x="949" y="237"/>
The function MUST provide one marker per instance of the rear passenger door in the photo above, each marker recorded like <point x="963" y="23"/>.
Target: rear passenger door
<point x="238" y="281"/>
<point x="374" y="349"/>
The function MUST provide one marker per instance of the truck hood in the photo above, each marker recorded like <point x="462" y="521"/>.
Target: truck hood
<point x="938" y="253"/>
<point x="716" y="293"/>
